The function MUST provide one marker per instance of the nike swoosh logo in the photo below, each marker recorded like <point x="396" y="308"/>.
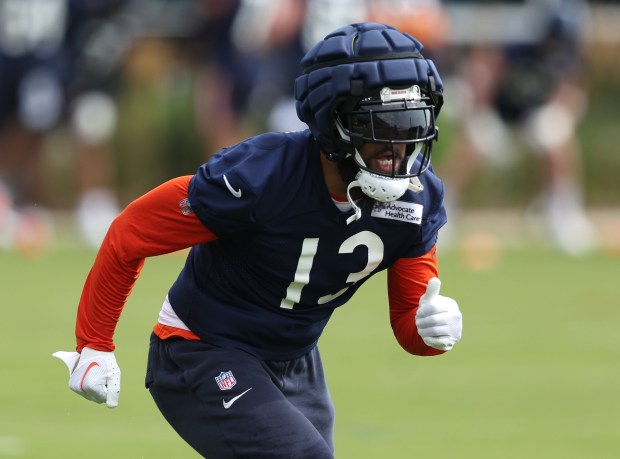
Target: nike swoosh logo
<point x="235" y="193"/>
<point x="90" y="367"/>
<point x="228" y="404"/>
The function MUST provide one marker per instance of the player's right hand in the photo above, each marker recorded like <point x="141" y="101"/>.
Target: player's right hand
<point x="94" y="375"/>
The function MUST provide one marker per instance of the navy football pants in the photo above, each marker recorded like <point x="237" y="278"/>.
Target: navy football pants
<point x="274" y="409"/>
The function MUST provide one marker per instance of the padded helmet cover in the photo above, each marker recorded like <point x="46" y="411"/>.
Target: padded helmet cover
<point x="353" y="62"/>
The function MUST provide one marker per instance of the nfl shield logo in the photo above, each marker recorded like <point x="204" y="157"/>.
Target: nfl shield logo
<point x="226" y="380"/>
<point x="185" y="206"/>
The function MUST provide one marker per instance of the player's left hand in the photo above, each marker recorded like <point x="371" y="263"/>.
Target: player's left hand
<point x="439" y="320"/>
<point x="94" y="375"/>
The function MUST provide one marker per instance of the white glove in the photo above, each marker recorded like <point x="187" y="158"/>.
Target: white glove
<point x="438" y="318"/>
<point x="94" y="375"/>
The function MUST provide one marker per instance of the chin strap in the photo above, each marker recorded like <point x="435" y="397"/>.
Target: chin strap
<point x="357" y="212"/>
<point x="415" y="185"/>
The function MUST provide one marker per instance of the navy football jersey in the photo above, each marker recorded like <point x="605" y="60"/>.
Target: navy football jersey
<point x="285" y="257"/>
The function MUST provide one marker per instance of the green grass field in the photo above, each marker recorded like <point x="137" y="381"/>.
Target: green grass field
<point x="537" y="374"/>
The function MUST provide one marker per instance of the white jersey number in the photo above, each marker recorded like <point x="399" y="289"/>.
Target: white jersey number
<point x="370" y="240"/>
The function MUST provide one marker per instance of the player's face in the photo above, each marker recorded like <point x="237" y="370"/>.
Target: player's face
<point x="383" y="158"/>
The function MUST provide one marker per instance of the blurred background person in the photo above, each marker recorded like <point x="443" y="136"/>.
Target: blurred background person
<point x="56" y="61"/>
<point x="226" y="75"/>
<point x="527" y="94"/>
<point x="251" y="53"/>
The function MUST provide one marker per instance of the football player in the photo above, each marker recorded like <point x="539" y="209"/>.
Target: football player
<point x="283" y="229"/>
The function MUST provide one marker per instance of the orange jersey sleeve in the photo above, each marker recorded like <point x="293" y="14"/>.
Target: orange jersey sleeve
<point x="159" y="222"/>
<point x="407" y="281"/>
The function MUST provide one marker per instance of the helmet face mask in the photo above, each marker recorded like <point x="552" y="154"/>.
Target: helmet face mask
<point x="395" y="116"/>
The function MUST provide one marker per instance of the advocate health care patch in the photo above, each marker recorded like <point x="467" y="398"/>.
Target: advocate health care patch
<point x="409" y="212"/>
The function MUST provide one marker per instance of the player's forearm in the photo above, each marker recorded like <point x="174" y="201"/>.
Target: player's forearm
<point x="105" y="292"/>
<point x="407" y="280"/>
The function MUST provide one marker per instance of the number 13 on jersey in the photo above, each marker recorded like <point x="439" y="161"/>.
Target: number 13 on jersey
<point x="370" y="240"/>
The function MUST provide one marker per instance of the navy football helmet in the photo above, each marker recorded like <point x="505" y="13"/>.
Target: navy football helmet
<point x="368" y="82"/>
